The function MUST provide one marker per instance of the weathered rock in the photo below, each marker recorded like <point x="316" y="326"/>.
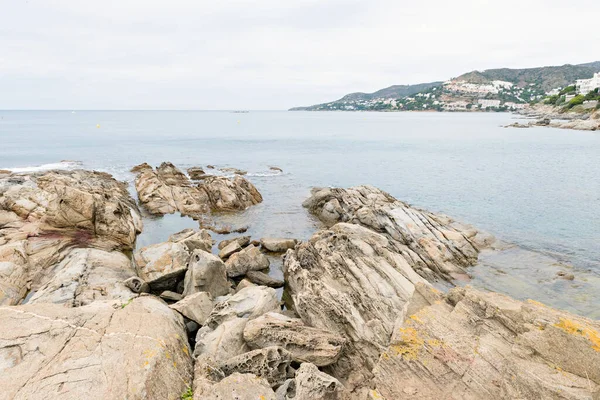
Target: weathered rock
<point x="228" y="250"/>
<point x="136" y="285"/>
<point x="196" y="307"/>
<point x="349" y="280"/>
<point x="230" y="194"/>
<point x="197" y="173"/>
<point x="170" y="296"/>
<point x="278" y="245"/>
<point x="270" y="363"/>
<point x="206" y="273"/>
<point x="136" y="351"/>
<point x="250" y="302"/>
<point x="5" y="172"/>
<point x="44" y="216"/>
<point x="84" y="276"/>
<point x="260" y="278"/>
<point x="306" y="344"/>
<point x="222" y="341"/>
<point x="140" y="167"/>
<point x="162" y="264"/>
<point x="243" y="241"/>
<point x="480" y="345"/>
<point x="435" y="246"/>
<point x="248" y="259"/>
<point x="310" y="383"/>
<point x="193" y="240"/>
<point x="167" y="190"/>
<point x="273" y="168"/>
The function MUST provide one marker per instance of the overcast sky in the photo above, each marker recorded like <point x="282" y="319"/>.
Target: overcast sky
<point x="269" y="54"/>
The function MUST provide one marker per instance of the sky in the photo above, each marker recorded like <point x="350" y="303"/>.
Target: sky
<point x="269" y="54"/>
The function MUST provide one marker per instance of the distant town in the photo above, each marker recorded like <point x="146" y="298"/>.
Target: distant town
<point x="479" y="91"/>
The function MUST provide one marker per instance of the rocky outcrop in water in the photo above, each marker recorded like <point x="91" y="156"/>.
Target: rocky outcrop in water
<point x="435" y="246"/>
<point x="166" y="190"/>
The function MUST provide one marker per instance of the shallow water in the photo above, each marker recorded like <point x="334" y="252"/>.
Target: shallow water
<point x="537" y="188"/>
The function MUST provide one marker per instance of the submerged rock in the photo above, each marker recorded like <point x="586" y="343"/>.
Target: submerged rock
<point x="482" y="345"/>
<point x="137" y="351"/>
<point x="243" y="241"/>
<point x="305" y="344"/>
<point x="231" y="248"/>
<point x="435" y="246"/>
<point x="197" y="173"/>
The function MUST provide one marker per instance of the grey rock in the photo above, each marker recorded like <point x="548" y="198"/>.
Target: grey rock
<point x="206" y="273"/>
<point x="136" y="285"/>
<point x="244" y="283"/>
<point x="250" y="302"/>
<point x="193" y="240"/>
<point x="222" y="342"/>
<point x="230" y="194"/>
<point x="243" y="241"/>
<point x="162" y="264"/>
<point x="170" y="296"/>
<point x="248" y="259"/>
<point x="228" y="250"/>
<point x="237" y="386"/>
<point x="310" y="383"/>
<point x="260" y="278"/>
<point x="276" y="245"/>
<point x="196" y="307"/>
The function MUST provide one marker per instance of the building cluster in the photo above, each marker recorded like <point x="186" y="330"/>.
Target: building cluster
<point x="494" y="87"/>
<point x="584" y="86"/>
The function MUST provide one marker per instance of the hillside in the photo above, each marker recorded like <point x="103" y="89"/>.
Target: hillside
<point x="392" y="92"/>
<point x="493" y="90"/>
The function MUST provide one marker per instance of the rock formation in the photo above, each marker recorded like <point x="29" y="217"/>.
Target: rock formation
<point x="167" y="190"/>
<point x="435" y="246"/>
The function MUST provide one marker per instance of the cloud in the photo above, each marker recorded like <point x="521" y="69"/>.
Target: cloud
<point x="133" y="54"/>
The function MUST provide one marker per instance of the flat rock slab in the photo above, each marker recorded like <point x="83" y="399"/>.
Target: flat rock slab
<point x="196" y="307"/>
<point x="137" y="350"/>
<point x="482" y="345"/>
<point x="260" y="278"/>
<point x="248" y="259"/>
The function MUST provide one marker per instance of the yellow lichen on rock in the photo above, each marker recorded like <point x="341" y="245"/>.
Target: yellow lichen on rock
<point x="575" y="328"/>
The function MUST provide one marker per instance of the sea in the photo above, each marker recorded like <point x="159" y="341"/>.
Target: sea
<point x="537" y="190"/>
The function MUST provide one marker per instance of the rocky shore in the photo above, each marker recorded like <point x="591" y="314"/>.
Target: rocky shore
<point x="549" y="116"/>
<point x="369" y="309"/>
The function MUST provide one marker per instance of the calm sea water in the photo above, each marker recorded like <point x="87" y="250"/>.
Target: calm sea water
<point x="538" y="188"/>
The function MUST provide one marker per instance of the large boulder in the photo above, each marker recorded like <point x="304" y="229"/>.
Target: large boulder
<point x="230" y="194"/>
<point x="349" y="280"/>
<point x="250" y="302"/>
<point x="196" y="307"/>
<point x="137" y="350"/>
<point x="435" y="246"/>
<point x="84" y="276"/>
<point x="206" y="273"/>
<point x="480" y="345"/>
<point x="243" y="241"/>
<point x="193" y="240"/>
<point x="248" y="259"/>
<point x="306" y="344"/>
<point x="167" y="190"/>
<point x="162" y="265"/>
<point x="223" y="341"/>
<point x="44" y="216"/>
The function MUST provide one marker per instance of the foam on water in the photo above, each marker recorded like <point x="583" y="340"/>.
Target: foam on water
<point x="63" y="165"/>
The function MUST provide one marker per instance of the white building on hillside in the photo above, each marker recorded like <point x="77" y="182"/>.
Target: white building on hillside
<point x="489" y="103"/>
<point x="584" y="86"/>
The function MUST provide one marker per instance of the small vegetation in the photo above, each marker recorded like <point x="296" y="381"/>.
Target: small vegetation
<point x="567" y="90"/>
<point x="575" y="101"/>
<point x="188" y="394"/>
